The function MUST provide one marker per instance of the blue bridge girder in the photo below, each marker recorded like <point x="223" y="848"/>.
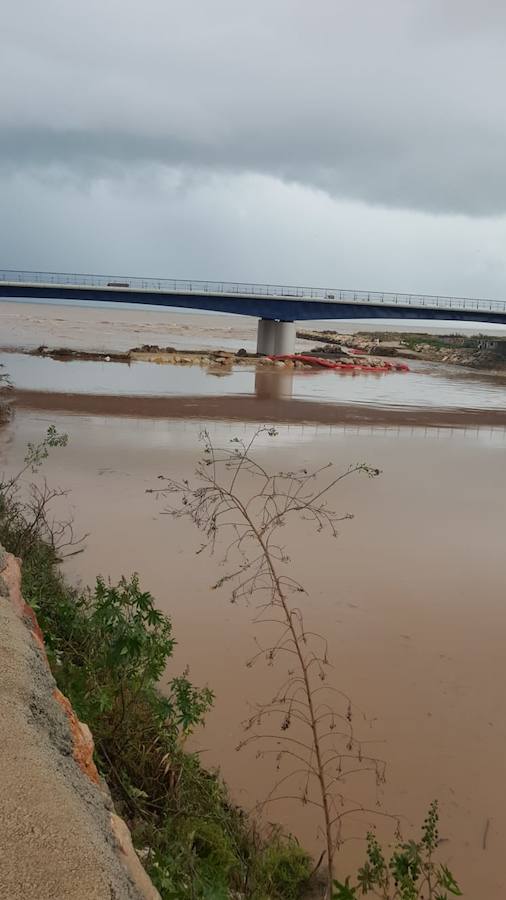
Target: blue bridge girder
<point x="274" y="302"/>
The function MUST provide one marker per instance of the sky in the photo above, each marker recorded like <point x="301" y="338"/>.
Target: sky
<point x="336" y="143"/>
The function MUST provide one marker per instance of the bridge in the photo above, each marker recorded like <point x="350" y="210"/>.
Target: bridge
<point x="277" y="307"/>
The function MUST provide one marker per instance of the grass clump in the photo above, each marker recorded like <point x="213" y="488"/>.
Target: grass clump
<point x="108" y="647"/>
<point x="281" y="868"/>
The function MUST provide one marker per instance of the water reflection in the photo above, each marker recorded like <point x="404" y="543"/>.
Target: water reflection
<point x="273" y="385"/>
<point x="428" y="386"/>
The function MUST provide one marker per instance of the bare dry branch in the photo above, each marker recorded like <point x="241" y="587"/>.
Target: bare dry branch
<point x="240" y="506"/>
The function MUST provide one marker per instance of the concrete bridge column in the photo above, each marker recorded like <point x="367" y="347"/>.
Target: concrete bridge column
<point x="275" y="338"/>
<point x="285" y="338"/>
<point x="266" y="337"/>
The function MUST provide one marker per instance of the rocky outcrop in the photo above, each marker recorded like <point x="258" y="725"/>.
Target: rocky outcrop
<point x="59" y="834"/>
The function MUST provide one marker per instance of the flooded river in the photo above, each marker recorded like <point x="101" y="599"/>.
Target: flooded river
<point x="410" y="598"/>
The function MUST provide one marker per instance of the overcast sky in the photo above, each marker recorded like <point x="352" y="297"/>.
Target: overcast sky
<point x="346" y="143"/>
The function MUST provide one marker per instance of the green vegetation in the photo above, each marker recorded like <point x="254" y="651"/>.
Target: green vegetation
<point x="413" y="341"/>
<point x="108" y="648"/>
<point x="411" y="873"/>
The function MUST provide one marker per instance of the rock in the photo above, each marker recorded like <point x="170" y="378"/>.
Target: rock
<point x="242" y="352"/>
<point x="383" y="351"/>
<point x="82" y="749"/>
<point x="131" y="860"/>
<point x="279" y="364"/>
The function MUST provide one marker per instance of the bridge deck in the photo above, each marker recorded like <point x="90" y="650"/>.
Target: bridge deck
<point x="260" y="300"/>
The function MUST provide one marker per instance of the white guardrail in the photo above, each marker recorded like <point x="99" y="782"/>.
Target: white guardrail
<point x="231" y="289"/>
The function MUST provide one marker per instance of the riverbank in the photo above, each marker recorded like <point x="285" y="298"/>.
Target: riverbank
<point x="108" y="647"/>
<point x="480" y="352"/>
<point x="54" y="808"/>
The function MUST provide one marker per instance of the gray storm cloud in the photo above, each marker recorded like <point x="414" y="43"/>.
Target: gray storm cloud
<point x="398" y="103"/>
<point x="352" y="143"/>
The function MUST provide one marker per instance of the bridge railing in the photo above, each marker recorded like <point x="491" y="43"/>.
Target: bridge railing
<point x="243" y="289"/>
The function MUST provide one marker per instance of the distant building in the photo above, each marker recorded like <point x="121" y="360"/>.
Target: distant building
<point x="492" y="344"/>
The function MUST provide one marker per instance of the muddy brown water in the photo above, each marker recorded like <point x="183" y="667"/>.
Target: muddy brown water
<point x="410" y="597"/>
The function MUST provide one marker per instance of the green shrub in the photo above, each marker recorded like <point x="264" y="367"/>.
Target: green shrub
<point x="111" y="661"/>
<point x="411" y="872"/>
<point x="281" y="870"/>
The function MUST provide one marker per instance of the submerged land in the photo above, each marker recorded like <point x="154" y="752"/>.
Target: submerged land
<point x="480" y="352"/>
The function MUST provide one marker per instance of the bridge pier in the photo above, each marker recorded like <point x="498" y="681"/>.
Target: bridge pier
<point x="275" y="338"/>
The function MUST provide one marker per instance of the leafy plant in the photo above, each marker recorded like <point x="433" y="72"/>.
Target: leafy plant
<point x="411" y="873"/>
<point x="37" y="453"/>
<point x="108" y="658"/>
